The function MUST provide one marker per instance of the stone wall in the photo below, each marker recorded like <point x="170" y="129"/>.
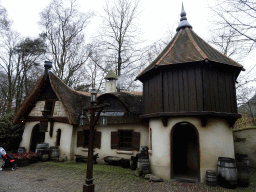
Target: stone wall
<point x="59" y="110"/>
<point x="37" y="110"/>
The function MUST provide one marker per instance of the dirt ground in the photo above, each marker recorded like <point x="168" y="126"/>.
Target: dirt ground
<point x="45" y="178"/>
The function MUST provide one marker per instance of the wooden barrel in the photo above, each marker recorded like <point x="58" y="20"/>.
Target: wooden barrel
<point x="146" y="169"/>
<point x="21" y="150"/>
<point x="242" y="160"/>
<point x="211" y="178"/>
<point x="220" y="170"/>
<point x="142" y="160"/>
<point x="54" y="152"/>
<point x="41" y="149"/>
<point x="227" y="173"/>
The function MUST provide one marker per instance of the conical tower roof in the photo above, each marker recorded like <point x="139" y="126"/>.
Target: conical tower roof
<point x="188" y="47"/>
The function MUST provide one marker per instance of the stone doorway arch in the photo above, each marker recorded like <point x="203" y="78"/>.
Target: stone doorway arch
<point x="36" y="137"/>
<point x="185" y="154"/>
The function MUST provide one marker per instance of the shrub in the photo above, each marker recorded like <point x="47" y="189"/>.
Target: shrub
<point x="10" y="134"/>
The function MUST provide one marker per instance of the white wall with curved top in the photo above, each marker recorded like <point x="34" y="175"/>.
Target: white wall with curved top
<point x="215" y="140"/>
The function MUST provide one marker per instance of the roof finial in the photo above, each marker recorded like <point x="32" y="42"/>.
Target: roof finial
<point x="183" y="20"/>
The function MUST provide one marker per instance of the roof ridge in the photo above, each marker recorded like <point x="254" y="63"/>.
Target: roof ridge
<point x="170" y="48"/>
<point x="196" y="45"/>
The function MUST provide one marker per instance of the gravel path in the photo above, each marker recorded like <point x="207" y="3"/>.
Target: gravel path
<point x="45" y="178"/>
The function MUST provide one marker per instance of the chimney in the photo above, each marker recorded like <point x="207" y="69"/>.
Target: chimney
<point x="110" y="83"/>
<point x="47" y="67"/>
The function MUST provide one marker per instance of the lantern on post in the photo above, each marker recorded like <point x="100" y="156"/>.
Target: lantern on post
<point x="93" y="96"/>
<point x="82" y="119"/>
<point x="93" y="113"/>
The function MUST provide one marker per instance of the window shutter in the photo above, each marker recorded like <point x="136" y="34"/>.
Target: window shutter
<point x="114" y="140"/>
<point x="80" y="141"/>
<point x="97" y="143"/>
<point x="136" y="141"/>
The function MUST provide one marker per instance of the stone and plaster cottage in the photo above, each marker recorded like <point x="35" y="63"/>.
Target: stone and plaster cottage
<point x="185" y="114"/>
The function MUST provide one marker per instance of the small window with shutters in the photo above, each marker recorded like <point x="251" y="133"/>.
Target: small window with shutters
<point x="83" y="139"/>
<point x="125" y="140"/>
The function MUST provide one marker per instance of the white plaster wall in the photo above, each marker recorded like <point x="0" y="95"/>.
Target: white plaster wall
<point x="26" y="137"/>
<point x="66" y="146"/>
<point x="215" y="140"/>
<point x="37" y="110"/>
<point x="247" y="143"/>
<point x="105" y="149"/>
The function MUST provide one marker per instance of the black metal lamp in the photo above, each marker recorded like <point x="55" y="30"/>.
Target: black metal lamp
<point x="82" y="119"/>
<point x="93" y="96"/>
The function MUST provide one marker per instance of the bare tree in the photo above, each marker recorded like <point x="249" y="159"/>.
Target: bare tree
<point x="239" y="15"/>
<point x="5" y="22"/>
<point x="95" y="70"/>
<point x="64" y="29"/>
<point x="10" y="66"/>
<point x="153" y="50"/>
<point x="120" y="39"/>
<point x="235" y="37"/>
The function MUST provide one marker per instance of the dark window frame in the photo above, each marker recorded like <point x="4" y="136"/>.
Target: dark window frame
<point x="135" y="140"/>
<point x="125" y="138"/>
<point x="83" y="139"/>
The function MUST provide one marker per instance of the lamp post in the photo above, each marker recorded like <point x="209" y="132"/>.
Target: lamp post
<point x="89" y="185"/>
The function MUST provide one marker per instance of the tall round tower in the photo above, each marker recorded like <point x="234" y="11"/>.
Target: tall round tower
<point x="190" y="102"/>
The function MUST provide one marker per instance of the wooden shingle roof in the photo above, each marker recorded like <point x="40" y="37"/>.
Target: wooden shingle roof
<point x="186" y="47"/>
<point x="72" y="101"/>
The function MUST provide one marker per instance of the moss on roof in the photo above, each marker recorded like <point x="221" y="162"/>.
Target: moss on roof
<point x="111" y="75"/>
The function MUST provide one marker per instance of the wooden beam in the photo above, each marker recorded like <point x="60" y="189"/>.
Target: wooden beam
<point x="164" y="121"/>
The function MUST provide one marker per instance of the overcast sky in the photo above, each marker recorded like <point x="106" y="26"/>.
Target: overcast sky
<point x="155" y="18"/>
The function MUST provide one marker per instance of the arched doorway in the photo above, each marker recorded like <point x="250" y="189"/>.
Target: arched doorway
<point x="185" y="152"/>
<point x="36" y="137"/>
